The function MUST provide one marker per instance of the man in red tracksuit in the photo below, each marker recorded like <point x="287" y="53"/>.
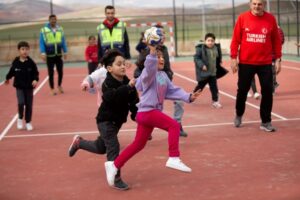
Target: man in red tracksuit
<point x="255" y="39"/>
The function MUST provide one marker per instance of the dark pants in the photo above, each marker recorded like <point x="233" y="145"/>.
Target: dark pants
<point x="107" y="142"/>
<point x="253" y="85"/>
<point x="92" y="66"/>
<point x="58" y="62"/>
<point x="274" y="76"/>
<point x="213" y="86"/>
<point x="25" y="100"/>
<point x="245" y="76"/>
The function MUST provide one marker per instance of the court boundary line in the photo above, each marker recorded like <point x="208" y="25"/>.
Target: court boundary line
<point x="13" y="120"/>
<point x="231" y="96"/>
<point x="291" y="68"/>
<point x="134" y="130"/>
<point x="10" y="124"/>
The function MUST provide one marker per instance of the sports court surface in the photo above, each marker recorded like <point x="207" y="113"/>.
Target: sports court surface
<point x="228" y="163"/>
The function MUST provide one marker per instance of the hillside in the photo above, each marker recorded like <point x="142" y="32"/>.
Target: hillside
<point x="27" y="10"/>
<point x="285" y="7"/>
<point x="37" y="10"/>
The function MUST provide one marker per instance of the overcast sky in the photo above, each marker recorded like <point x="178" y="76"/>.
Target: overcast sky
<point x="144" y="3"/>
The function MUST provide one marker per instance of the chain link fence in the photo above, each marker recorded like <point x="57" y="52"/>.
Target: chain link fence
<point x="189" y="31"/>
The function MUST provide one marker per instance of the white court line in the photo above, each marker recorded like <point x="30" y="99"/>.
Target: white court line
<point x="134" y="130"/>
<point x="1" y="83"/>
<point x="230" y="96"/>
<point x="289" y="67"/>
<point x="4" y="132"/>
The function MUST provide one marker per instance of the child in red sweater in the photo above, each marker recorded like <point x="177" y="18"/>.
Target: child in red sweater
<point x="91" y="54"/>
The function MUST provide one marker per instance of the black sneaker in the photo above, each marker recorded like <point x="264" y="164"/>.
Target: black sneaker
<point x="267" y="127"/>
<point x="120" y="184"/>
<point x="182" y="132"/>
<point x="237" y="121"/>
<point x="74" y="145"/>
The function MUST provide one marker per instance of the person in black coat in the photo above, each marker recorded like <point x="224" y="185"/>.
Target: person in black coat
<point x="119" y="97"/>
<point x="26" y="76"/>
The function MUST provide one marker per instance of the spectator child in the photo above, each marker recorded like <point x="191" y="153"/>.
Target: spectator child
<point x="26" y="76"/>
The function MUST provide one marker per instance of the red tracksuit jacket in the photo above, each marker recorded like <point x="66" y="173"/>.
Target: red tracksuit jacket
<point x="255" y="39"/>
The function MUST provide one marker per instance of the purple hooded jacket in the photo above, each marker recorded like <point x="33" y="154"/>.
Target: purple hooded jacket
<point x="156" y="86"/>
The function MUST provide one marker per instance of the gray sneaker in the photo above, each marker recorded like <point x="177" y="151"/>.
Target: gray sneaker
<point x="237" y="121"/>
<point x="267" y="127"/>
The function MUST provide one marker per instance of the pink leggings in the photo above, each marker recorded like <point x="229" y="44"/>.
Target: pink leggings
<point x="147" y="121"/>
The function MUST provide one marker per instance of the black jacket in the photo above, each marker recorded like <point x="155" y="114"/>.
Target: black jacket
<point x="24" y="73"/>
<point x="117" y="99"/>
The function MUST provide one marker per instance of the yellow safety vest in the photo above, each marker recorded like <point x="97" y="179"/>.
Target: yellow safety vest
<point x="114" y="39"/>
<point x="53" y="40"/>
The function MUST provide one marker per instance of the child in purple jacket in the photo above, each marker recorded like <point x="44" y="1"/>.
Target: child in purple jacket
<point x="155" y="87"/>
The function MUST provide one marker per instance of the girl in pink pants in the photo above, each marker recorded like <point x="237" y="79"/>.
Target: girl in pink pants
<point x="155" y="87"/>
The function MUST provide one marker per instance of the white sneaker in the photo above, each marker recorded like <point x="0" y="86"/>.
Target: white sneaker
<point x="29" y="126"/>
<point x="19" y="124"/>
<point x="256" y="95"/>
<point x="249" y="94"/>
<point x="111" y="172"/>
<point x="216" y="104"/>
<point x="176" y="163"/>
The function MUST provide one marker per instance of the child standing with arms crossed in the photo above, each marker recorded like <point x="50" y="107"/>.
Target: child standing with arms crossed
<point x="26" y="76"/>
<point x="155" y="87"/>
<point x="119" y="97"/>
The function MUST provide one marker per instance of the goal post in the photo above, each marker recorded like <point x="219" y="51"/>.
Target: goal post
<point x="169" y="25"/>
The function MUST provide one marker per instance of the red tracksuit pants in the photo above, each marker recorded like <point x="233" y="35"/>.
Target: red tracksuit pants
<point x="147" y="121"/>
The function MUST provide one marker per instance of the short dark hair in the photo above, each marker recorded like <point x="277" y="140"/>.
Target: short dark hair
<point x="110" y="56"/>
<point x="50" y="16"/>
<point x="109" y="7"/>
<point x="23" y="44"/>
<point x="91" y="36"/>
<point x="210" y="35"/>
<point x="159" y="26"/>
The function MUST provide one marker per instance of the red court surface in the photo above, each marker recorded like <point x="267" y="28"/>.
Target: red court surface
<point x="228" y="163"/>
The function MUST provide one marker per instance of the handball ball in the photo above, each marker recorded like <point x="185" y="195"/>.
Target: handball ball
<point x="153" y="36"/>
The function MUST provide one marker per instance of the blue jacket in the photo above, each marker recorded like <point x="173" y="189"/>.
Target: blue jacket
<point x="43" y="47"/>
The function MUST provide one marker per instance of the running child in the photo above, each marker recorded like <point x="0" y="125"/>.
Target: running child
<point x="94" y="82"/>
<point x="119" y="97"/>
<point x="26" y="76"/>
<point x="155" y="87"/>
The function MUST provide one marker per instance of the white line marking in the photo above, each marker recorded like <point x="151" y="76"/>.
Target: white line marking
<point x="1" y="83"/>
<point x="289" y="67"/>
<point x="230" y="96"/>
<point x="4" y="132"/>
<point x="134" y="130"/>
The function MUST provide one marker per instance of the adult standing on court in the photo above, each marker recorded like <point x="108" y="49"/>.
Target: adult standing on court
<point x="53" y="46"/>
<point x="112" y="34"/>
<point x="254" y="40"/>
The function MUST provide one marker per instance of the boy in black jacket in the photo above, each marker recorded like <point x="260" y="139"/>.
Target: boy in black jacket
<point x="26" y="76"/>
<point x="119" y="97"/>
